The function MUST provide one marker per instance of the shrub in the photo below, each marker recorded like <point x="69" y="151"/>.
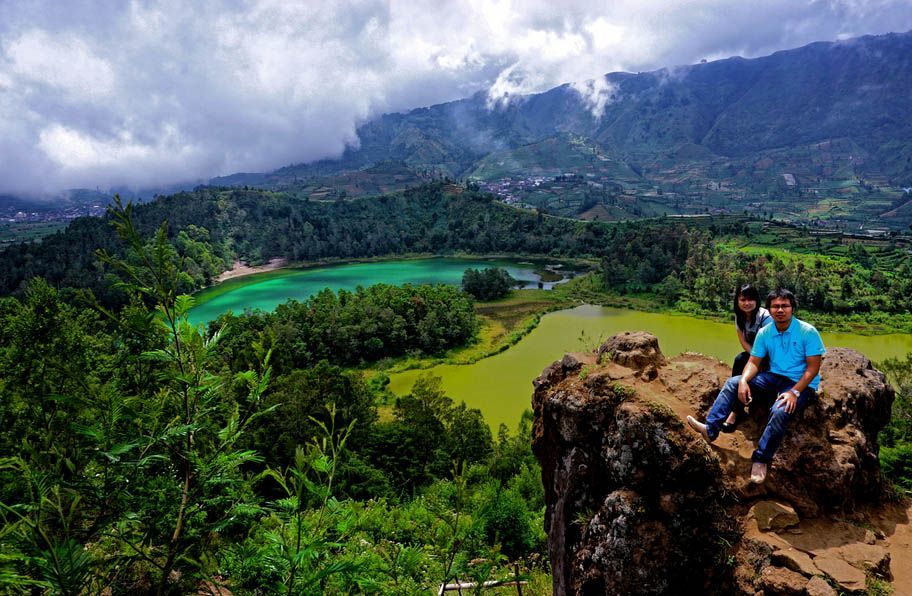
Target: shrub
<point x="896" y="463"/>
<point x="487" y="284"/>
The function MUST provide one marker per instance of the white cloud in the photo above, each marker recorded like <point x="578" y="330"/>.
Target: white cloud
<point x="95" y="93"/>
<point x="511" y="83"/>
<point x="61" y="61"/>
<point x="75" y="150"/>
<point x="596" y="94"/>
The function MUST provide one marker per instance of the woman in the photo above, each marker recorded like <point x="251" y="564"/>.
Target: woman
<point x="750" y="317"/>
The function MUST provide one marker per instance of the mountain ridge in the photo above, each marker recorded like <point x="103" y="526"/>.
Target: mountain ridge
<point x="726" y="115"/>
<point x="694" y="134"/>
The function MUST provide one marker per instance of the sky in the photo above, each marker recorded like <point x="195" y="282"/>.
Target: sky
<point x="101" y="94"/>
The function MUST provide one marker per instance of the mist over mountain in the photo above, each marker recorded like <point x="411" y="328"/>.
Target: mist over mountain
<point x="821" y="132"/>
<point x="855" y="90"/>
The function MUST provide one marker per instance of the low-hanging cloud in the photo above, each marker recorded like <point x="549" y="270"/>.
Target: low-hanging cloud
<point x="596" y="94"/>
<point x="98" y="94"/>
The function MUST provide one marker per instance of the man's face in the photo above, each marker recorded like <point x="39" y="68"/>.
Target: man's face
<point x="781" y="310"/>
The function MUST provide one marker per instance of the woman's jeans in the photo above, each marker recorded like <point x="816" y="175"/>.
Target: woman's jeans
<point x="765" y="388"/>
<point x="737" y="368"/>
<point x="740" y="362"/>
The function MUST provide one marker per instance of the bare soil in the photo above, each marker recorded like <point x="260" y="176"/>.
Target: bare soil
<point x="240" y="269"/>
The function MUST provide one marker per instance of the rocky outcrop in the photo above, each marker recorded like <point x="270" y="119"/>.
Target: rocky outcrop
<point x="829" y="462"/>
<point x="639" y="504"/>
<point x="637" y="350"/>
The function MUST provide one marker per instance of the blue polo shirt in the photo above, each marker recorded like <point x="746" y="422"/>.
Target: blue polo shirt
<point x="789" y="349"/>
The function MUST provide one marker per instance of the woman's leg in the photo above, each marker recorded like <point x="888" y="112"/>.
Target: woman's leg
<point x="737" y="368"/>
<point x="740" y="362"/>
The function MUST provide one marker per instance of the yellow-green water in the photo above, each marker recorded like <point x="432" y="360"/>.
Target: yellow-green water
<point x="501" y="386"/>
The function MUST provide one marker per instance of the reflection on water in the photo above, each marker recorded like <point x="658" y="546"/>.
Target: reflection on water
<point x="501" y="386"/>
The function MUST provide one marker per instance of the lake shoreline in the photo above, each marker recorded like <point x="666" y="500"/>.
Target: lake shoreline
<point x="870" y="324"/>
<point x="239" y="269"/>
<point x="499" y="385"/>
<point x="240" y="275"/>
<point x="249" y="288"/>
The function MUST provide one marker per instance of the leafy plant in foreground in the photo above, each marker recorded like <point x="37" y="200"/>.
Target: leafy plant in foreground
<point x="300" y="548"/>
<point x="187" y="440"/>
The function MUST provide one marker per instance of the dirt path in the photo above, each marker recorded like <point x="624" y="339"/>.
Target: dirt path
<point x="240" y="270"/>
<point x="894" y="521"/>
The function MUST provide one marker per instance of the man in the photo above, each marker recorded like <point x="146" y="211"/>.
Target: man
<point x="795" y="351"/>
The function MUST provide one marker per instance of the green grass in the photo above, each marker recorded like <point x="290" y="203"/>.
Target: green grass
<point x="877" y="587"/>
<point x="11" y="233"/>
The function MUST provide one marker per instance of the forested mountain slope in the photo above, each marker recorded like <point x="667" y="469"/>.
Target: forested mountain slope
<point x="855" y="89"/>
<point x="212" y="226"/>
<point x="819" y="134"/>
<point x="677" y="259"/>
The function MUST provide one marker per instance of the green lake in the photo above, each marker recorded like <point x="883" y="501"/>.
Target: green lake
<point x="501" y="386"/>
<point x="266" y="291"/>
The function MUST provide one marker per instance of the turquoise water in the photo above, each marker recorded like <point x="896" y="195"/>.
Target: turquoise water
<point x="501" y="386"/>
<point x="273" y="289"/>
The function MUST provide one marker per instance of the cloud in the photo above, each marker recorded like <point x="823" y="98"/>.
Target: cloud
<point x="101" y="93"/>
<point x="596" y="94"/>
<point x="513" y="82"/>
<point x="64" y="63"/>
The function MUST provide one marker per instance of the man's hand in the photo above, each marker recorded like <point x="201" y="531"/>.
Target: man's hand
<point x="787" y="400"/>
<point x="744" y="392"/>
<point x="750" y="371"/>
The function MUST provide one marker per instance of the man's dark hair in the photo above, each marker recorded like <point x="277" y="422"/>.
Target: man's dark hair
<point x="782" y="293"/>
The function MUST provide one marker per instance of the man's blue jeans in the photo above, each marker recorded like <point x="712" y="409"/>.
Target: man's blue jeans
<point x="765" y="388"/>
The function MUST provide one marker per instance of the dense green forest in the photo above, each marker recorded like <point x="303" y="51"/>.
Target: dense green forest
<point x="692" y="270"/>
<point x="146" y="455"/>
<point x="487" y="284"/>
<point x="210" y="227"/>
<point x="350" y="328"/>
<point x="695" y="262"/>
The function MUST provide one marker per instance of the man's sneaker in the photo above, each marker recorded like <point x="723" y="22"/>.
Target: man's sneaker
<point x="699" y="427"/>
<point x="758" y="472"/>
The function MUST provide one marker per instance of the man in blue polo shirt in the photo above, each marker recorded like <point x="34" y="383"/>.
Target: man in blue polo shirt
<point x="795" y="351"/>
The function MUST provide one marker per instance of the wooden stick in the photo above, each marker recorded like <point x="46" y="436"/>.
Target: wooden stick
<point x="470" y="585"/>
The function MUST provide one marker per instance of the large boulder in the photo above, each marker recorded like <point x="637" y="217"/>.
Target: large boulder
<point x="830" y="461"/>
<point x="639" y="504"/>
<point x="635" y="501"/>
<point x="637" y="350"/>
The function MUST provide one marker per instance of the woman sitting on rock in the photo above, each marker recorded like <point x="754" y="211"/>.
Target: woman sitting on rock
<point x="750" y="317"/>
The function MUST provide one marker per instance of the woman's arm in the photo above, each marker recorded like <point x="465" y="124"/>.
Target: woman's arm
<point x="747" y="347"/>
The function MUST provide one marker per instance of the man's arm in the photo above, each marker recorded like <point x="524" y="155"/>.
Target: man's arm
<point x="789" y="400"/>
<point x="750" y="371"/>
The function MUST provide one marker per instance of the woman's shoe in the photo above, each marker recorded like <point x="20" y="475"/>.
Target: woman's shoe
<point x="729" y="427"/>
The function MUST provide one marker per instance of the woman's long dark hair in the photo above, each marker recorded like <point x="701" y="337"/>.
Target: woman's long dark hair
<point x="751" y="293"/>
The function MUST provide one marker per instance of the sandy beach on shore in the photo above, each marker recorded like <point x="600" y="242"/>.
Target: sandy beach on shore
<point x="239" y="269"/>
